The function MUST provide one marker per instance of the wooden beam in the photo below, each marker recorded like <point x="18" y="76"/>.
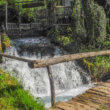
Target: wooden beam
<point x="66" y="58"/>
<point x="6" y="15"/>
<point x="28" y="1"/>
<point x="62" y="24"/>
<point x="1" y="58"/>
<point x="16" y="58"/>
<point x="51" y="85"/>
<point x="30" y="5"/>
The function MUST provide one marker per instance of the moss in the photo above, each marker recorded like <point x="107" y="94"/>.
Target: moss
<point x="5" y="41"/>
<point x="64" y="40"/>
<point x="89" y="65"/>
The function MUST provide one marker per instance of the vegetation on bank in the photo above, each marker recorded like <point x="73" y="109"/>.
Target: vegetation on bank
<point x="89" y="31"/>
<point x="14" y="97"/>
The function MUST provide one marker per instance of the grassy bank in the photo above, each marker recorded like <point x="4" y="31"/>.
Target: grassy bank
<point x="14" y="97"/>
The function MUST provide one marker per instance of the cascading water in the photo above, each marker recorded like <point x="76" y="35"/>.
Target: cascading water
<point x="69" y="79"/>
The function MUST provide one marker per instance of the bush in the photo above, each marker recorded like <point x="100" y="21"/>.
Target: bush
<point x="65" y="39"/>
<point x="98" y="67"/>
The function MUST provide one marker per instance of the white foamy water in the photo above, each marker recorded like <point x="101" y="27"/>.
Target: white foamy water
<point x="69" y="78"/>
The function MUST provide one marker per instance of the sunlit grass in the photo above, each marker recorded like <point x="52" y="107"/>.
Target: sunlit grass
<point x="14" y="97"/>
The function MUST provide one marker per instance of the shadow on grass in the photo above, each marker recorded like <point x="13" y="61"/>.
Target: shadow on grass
<point x="9" y="89"/>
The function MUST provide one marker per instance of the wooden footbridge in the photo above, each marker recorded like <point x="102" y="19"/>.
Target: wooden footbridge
<point x="97" y="98"/>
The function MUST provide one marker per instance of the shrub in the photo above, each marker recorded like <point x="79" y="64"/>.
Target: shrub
<point x="98" y="67"/>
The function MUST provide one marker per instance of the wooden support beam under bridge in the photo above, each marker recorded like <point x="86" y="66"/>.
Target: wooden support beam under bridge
<point x="47" y="63"/>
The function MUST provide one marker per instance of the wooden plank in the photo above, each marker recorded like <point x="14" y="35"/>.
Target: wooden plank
<point x="92" y="101"/>
<point x="60" y="6"/>
<point x="6" y="15"/>
<point x="28" y="1"/>
<point x="30" y="5"/>
<point x="17" y="58"/>
<point x="62" y="24"/>
<point x="73" y="106"/>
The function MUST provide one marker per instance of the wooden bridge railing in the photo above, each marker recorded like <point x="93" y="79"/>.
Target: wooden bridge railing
<point x="47" y="63"/>
<point x="12" y="26"/>
<point x="24" y="26"/>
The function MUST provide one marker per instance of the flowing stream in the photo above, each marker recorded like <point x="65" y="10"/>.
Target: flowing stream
<point x="70" y="80"/>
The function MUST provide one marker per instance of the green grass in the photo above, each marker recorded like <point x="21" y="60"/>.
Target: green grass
<point x="14" y="97"/>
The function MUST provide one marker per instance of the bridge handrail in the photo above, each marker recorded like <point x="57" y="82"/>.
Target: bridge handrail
<point x="23" y="26"/>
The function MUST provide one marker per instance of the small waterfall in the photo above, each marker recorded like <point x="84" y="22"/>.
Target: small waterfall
<point x="67" y="76"/>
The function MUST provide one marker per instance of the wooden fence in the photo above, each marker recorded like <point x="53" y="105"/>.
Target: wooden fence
<point x="47" y="63"/>
<point x="23" y="26"/>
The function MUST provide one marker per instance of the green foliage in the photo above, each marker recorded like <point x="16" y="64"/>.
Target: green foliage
<point x="64" y="39"/>
<point x="79" y="32"/>
<point x="96" y="28"/>
<point x="29" y="14"/>
<point x="98" y="67"/>
<point x="89" y="64"/>
<point x="102" y="108"/>
<point x="106" y="43"/>
<point x="2" y="2"/>
<point x="108" y="28"/>
<point x="5" y="41"/>
<point x="14" y="97"/>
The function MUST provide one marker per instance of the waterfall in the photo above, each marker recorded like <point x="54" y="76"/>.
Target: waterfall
<point x="70" y="80"/>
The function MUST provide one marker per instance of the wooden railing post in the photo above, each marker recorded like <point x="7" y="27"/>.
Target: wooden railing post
<point x="6" y="15"/>
<point x="51" y="85"/>
<point x="1" y="58"/>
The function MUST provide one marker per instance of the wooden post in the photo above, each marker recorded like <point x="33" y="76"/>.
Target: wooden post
<point x="1" y="58"/>
<point x="54" y="15"/>
<point x="6" y="15"/>
<point x="19" y="17"/>
<point x="51" y="85"/>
